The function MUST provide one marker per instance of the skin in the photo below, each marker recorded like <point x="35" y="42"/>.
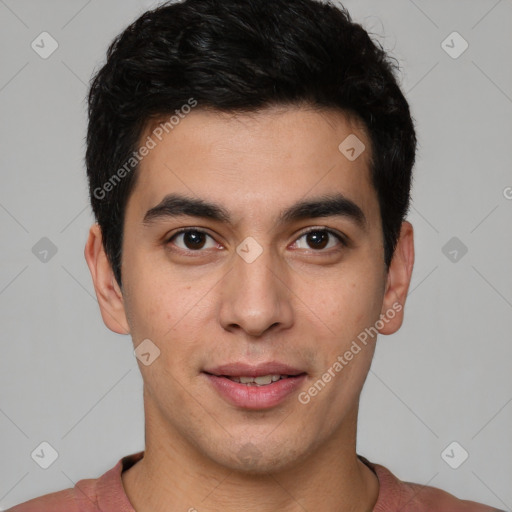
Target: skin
<point x="295" y="303"/>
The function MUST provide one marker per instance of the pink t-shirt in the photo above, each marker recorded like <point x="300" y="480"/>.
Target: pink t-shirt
<point x="106" y="494"/>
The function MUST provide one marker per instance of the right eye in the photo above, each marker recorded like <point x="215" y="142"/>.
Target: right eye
<point x="192" y="240"/>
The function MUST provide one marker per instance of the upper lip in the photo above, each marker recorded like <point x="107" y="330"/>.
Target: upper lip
<point x="253" y="370"/>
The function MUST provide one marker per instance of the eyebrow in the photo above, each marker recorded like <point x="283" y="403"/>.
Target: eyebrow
<point x="333" y="205"/>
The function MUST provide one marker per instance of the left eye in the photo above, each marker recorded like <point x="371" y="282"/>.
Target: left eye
<point x="318" y="239"/>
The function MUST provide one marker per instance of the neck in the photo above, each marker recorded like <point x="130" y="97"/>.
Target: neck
<point x="174" y="475"/>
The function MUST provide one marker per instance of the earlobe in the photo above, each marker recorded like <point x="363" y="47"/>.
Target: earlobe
<point x="108" y="293"/>
<point x="398" y="281"/>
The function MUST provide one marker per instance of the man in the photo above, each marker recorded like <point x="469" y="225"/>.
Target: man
<point x="249" y="165"/>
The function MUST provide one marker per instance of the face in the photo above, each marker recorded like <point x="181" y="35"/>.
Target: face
<point x="253" y="249"/>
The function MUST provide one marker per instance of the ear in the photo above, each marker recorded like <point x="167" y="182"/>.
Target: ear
<point x="108" y="293"/>
<point x="399" y="278"/>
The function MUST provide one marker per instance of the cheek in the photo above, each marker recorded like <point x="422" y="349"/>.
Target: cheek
<point x="171" y="314"/>
<point x="346" y="304"/>
<point x="155" y="305"/>
<point x="157" y="299"/>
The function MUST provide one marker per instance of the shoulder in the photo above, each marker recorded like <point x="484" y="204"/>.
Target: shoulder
<point x="61" y="501"/>
<point x="89" y="494"/>
<point x="395" y="494"/>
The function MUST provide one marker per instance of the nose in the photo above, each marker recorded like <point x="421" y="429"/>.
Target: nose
<point x="255" y="296"/>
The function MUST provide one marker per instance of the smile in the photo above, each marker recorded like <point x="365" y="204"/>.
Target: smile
<point x="264" y="380"/>
<point x="253" y="387"/>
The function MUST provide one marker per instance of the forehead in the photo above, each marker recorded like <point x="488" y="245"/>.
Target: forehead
<point x="244" y="161"/>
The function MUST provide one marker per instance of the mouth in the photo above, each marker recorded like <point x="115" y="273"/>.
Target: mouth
<point x="255" y="387"/>
<point x="263" y="380"/>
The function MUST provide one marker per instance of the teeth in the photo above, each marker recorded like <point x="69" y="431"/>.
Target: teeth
<point x="263" y="380"/>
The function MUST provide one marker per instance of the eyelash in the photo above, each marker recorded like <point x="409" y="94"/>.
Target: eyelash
<point x="339" y="237"/>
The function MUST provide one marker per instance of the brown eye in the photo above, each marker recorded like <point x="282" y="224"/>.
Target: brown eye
<point x="319" y="239"/>
<point x="192" y="240"/>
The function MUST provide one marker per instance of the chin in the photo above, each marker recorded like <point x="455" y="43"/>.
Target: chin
<point x="260" y="458"/>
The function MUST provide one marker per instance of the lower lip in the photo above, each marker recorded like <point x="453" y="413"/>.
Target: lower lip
<point x="255" y="397"/>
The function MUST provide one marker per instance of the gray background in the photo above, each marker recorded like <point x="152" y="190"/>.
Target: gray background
<point x="445" y="376"/>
